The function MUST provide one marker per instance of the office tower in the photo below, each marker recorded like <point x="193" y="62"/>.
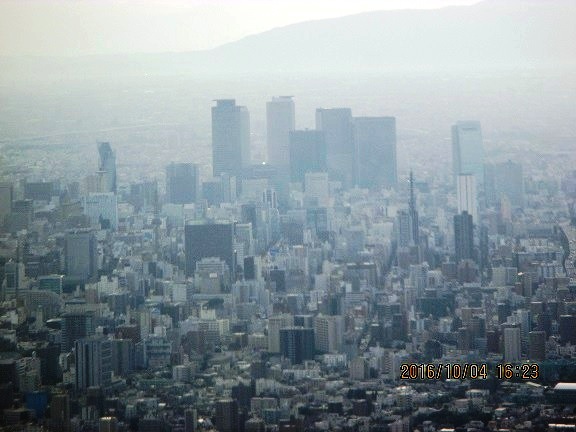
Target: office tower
<point x="53" y="283"/>
<point x="60" y="412"/>
<point x="102" y="209"/>
<point x="230" y="138"/>
<point x="81" y="254"/>
<point x="468" y="150"/>
<point x="512" y="344"/>
<point x="280" y="121"/>
<point x="537" y="346"/>
<point x="297" y="344"/>
<point x="76" y="326"/>
<point x="464" y="236"/>
<point x="319" y="220"/>
<point x="108" y="424"/>
<point x="328" y="333"/>
<point x="14" y="274"/>
<point x="245" y="237"/>
<point x="413" y="213"/>
<point x="337" y="126"/>
<point x="567" y="329"/>
<point x="317" y="189"/>
<point x="403" y="229"/>
<point x="107" y="166"/>
<point x="182" y="183"/>
<point x="93" y="363"/>
<point x="504" y="180"/>
<point x="466" y="195"/>
<point x="307" y="154"/>
<point x="144" y="195"/>
<point x="209" y="240"/>
<point x="40" y="191"/>
<point x="278" y="277"/>
<point x="123" y="356"/>
<point x="275" y="324"/>
<point x="190" y="420"/>
<point x="6" y="198"/>
<point x="21" y="215"/>
<point x="375" y="139"/>
<point x="227" y="418"/>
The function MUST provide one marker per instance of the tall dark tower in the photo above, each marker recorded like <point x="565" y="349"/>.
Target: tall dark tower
<point x="230" y="138"/>
<point x="107" y="165"/>
<point x="413" y="213"/>
<point x="182" y="183"/>
<point x="464" y="236"/>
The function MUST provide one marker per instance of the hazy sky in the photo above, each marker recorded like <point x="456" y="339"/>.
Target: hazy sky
<point x="77" y="27"/>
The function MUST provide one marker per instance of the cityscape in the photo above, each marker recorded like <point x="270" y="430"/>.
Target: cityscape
<point x="382" y="251"/>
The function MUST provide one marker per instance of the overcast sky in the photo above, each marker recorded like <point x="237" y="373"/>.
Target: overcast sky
<point x="79" y="27"/>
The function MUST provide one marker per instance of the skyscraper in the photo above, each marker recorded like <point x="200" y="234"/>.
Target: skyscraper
<point x="464" y="236"/>
<point x="6" y="197"/>
<point x="75" y="326"/>
<point x="376" y="143"/>
<point x="468" y="150"/>
<point x="329" y="333"/>
<point x="466" y="195"/>
<point x="504" y="180"/>
<point x="182" y="183"/>
<point x="227" y="415"/>
<point x="230" y="138"/>
<point x="107" y="165"/>
<point x="307" y="153"/>
<point x="512" y="344"/>
<point x="102" y="209"/>
<point x="297" y="344"/>
<point x="280" y="121"/>
<point x="341" y="157"/>
<point x="81" y="254"/>
<point x="93" y="362"/>
<point x="207" y="240"/>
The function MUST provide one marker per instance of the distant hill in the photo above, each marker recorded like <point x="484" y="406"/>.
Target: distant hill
<point x="490" y="34"/>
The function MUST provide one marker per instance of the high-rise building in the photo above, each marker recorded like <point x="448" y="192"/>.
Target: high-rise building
<point x="107" y="165"/>
<point x="280" y="121"/>
<point x="512" y="344"/>
<point x="227" y="418"/>
<point x="504" y="180"/>
<point x="230" y="138"/>
<point x="93" y="362"/>
<point x="464" y="236"/>
<point x="329" y="333"/>
<point x="207" y="240"/>
<point x="60" y="412"/>
<point x="466" y="195"/>
<point x="307" y="153"/>
<point x="468" y="150"/>
<point x="275" y="324"/>
<point x="182" y="183"/>
<point x="75" y="326"/>
<point x="297" y="344"/>
<point x="376" y="144"/>
<point x="81" y="254"/>
<point x="6" y="198"/>
<point x="317" y="189"/>
<point x="14" y="275"/>
<point x="52" y="283"/>
<point x="537" y="346"/>
<point x="40" y="191"/>
<point x="108" y="424"/>
<point x="190" y="420"/>
<point x="341" y="155"/>
<point x="102" y="209"/>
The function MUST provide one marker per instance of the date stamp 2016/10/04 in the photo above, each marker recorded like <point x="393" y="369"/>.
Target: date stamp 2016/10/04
<point x="462" y="371"/>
